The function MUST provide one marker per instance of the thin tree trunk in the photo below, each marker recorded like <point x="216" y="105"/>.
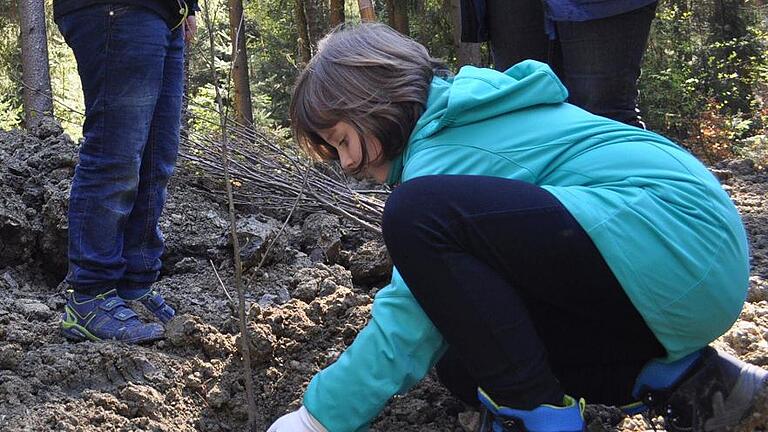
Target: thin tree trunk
<point x="242" y="99"/>
<point x="367" y="14"/>
<point x="301" y="27"/>
<point x="34" y="59"/>
<point x="466" y="53"/>
<point x="337" y="12"/>
<point x="316" y="13"/>
<point x="185" y="102"/>
<point x="245" y="339"/>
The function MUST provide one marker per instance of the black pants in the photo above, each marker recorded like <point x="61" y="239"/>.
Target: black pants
<point x="519" y="291"/>
<point x="597" y="60"/>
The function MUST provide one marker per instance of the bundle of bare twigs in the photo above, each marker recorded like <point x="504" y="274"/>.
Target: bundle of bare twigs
<point x="270" y="174"/>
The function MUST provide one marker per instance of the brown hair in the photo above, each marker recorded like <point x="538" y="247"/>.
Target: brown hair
<point x="369" y="76"/>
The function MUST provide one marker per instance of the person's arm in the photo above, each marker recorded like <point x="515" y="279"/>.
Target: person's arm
<point x="390" y="355"/>
<point x="190" y="25"/>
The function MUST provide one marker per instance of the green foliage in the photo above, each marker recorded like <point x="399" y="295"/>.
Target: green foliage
<point x="65" y="81"/>
<point x="702" y="73"/>
<point x="431" y="26"/>
<point x="273" y="57"/>
<point x="703" y="82"/>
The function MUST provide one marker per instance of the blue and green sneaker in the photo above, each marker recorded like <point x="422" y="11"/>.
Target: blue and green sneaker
<point x="105" y="317"/>
<point x="151" y="299"/>
<point x="544" y="418"/>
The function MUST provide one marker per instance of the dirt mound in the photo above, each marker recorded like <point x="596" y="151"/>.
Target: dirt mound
<point x="305" y="306"/>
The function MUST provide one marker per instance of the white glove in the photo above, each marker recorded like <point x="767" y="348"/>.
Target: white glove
<point x="298" y="421"/>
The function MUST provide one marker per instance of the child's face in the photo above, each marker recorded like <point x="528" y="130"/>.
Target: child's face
<point x="345" y="139"/>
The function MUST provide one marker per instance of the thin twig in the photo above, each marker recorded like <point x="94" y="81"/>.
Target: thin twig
<point x="221" y="282"/>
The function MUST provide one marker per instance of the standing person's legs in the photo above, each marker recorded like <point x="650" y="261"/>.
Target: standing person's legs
<point x="144" y="243"/>
<point x="120" y="52"/>
<point x="516" y="32"/>
<point x="601" y="62"/>
<point x="517" y="288"/>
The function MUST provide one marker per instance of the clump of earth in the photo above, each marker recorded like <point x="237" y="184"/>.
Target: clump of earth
<point x="304" y="307"/>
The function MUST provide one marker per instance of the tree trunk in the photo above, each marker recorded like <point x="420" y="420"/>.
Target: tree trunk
<point x="301" y="27"/>
<point x="399" y="17"/>
<point x="466" y="53"/>
<point x="242" y="89"/>
<point x="337" y="12"/>
<point x="34" y="59"/>
<point x="367" y="14"/>
<point x="316" y="12"/>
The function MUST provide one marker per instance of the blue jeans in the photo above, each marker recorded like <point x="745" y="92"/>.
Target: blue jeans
<point x="131" y="67"/>
<point x="598" y="60"/>
<point x="519" y="291"/>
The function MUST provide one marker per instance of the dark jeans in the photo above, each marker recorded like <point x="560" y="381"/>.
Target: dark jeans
<point x="525" y="301"/>
<point x="131" y="69"/>
<point x="598" y="60"/>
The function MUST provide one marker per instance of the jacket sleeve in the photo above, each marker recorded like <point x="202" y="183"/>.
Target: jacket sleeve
<point x="193" y="6"/>
<point x="390" y="355"/>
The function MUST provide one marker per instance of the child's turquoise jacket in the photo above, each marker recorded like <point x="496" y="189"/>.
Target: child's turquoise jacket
<point x="663" y="223"/>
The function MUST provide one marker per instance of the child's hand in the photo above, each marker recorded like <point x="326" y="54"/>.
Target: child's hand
<point x="190" y="28"/>
<point x="298" y="421"/>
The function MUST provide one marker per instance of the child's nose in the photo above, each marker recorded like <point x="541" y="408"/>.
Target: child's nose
<point x="347" y="163"/>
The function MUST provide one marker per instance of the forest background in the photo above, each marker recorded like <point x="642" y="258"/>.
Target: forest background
<point x="704" y="81"/>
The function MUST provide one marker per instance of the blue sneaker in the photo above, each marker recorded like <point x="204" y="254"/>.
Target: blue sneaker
<point x="151" y="299"/>
<point x="544" y="418"/>
<point x="105" y="317"/>
<point x="708" y="391"/>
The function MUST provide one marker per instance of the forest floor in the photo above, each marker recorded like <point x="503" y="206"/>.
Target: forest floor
<point x="305" y="306"/>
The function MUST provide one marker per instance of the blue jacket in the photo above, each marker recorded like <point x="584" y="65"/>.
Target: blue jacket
<point x="474" y="27"/>
<point x="663" y="223"/>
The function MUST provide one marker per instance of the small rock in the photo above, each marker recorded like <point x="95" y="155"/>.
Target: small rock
<point x="10" y="281"/>
<point x="267" y="300"/>
<point x="143" y="400"/>
<point x="10" y="356"/>
<point x="44" y="127"/>
<point x="262" y="342"/>
<point x="758" y="290"/>
<point x="321" y="237"/>
<point x="745" y="338"/>
<point x="742" y="166"/>
<point x="186" y="265"/>
<point x="216" y="397"/>
<point x="370" y="263"/>
<point x="255" y="239"/>
<point x="469" y="420"/>
<point x="33" y="308"/>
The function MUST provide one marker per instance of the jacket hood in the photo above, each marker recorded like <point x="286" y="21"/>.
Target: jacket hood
<point x="476" y="94"/>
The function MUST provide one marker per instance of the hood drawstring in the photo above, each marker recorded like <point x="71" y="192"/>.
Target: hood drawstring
<point x="183" y="11"/>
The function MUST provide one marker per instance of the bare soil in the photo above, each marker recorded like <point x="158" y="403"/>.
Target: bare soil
<point x="305" y="306"/>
